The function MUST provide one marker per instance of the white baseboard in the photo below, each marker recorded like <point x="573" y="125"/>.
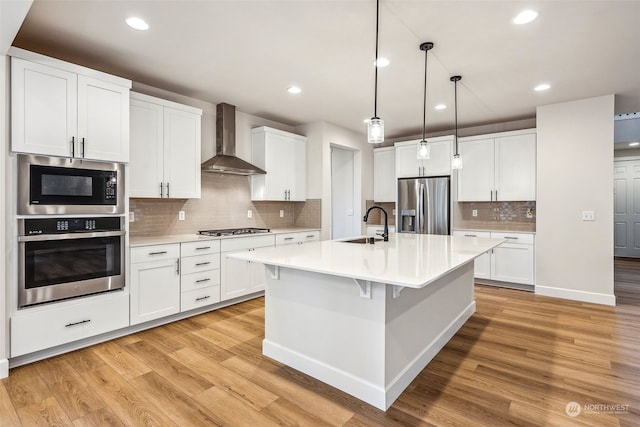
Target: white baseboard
<point x="382" y="397"/>
<point x="4" y="368"/>
<point x="574" y="295"/>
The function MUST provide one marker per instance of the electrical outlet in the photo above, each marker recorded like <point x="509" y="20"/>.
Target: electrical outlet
<point x="249" y="213"/>
<point x="529" y="213"/>
<point x="181" y="216"/>
<point x="132" y="217"/>
<point x="474" y="212"/>
<point x="588" y="216"/>
<point x="281" y="213"/>
<point x="393" y="212"/>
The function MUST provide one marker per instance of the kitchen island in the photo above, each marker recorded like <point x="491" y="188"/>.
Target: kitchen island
<point x="367" y="318"/>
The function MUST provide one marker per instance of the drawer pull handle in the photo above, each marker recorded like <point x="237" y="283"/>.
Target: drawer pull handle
<point x="203" y="298"/>
<point x="288" y="238"/>
<point x="198" y="264"/>
<point x="309" y="236"/>
<point x="203" y="248"/>
<point x="470" y="235"/>
<point x="510" y="238"/>
<point x="157" y="253"/>
<point x="68" y="325"/>
<point x="203" y="280"/>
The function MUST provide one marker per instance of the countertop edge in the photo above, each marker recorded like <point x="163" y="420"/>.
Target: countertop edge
<point x="137" y="241"/>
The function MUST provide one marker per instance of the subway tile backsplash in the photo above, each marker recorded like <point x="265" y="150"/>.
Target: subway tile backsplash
<point x="224" y="203"/>
<point x="517" y="215"/>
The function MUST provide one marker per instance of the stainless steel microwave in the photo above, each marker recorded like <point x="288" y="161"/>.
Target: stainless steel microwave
<point x="55" y="185"/>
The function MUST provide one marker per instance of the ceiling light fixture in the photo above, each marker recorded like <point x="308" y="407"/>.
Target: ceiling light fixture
<point x="375" y="127"/>
<point x="541" y="87"/>
<point x="525" y="17"/>
<point x="294" y="89"/>
<point x="424" y="151"/>
<point x="456" y="163"/>
<point x="440" y="107"/>
<point x="381" y="62"/>
<point x="137" y="23"/>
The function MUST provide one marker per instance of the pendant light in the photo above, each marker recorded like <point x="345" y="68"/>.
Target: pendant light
<point x="375" y="126"/>
<point x="424" y="151"/>
<point x="456" y="163"/>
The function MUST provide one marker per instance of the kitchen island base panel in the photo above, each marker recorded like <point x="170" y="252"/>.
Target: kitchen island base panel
<point x="371" y="348"/>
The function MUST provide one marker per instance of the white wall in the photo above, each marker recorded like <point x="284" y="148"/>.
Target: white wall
<point x="313" y="132"/>
<point x="4" y="144"/>
<point x="574" y="258"/>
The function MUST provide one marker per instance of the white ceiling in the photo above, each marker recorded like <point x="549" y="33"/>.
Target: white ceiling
<point x="248" y="52"/>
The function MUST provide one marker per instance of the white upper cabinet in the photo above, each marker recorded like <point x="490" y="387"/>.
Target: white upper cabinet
<point x="498" y="167"/>
<point x="283" y="156"/>
<point x="439" y="162"/>
<point x="165" y="148"/>
<point x="59" y="111"/>
<point x="384" y="174"/>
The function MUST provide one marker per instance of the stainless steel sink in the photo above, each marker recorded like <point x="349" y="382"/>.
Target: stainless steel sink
<point x="361" y="240"/>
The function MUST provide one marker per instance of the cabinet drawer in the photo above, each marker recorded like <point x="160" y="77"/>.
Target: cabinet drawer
<point x="189" y="282"/>
<point x="194" y="264"/>
<point x="287" y="238"/>
<point x="309" y="236"/>
<point x="521" y="238"/>
<point x="199" y="298"/>
<point x="244" y="243"/>
<point x="54" y="325"/>
<point x="200" y="248"/>
<point x="154" y="253"/>
<point x="471" y="233"/>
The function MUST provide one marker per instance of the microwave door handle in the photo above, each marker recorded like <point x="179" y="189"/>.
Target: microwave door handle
<point x="66" y="236"/>
<point x="82" y="148"/>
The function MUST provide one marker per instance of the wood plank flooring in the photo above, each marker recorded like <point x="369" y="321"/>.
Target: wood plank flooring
<point x="518" y="361"/>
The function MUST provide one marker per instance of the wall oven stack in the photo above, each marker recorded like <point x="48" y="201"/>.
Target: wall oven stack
<point x="71" y="228"/>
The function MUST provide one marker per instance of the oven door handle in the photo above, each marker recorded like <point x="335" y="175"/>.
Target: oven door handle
<point x="67" y="236"/>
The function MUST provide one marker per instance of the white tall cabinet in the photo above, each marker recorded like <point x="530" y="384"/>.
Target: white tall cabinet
<point x="283" y="156"/>
<point x="165" y="148"/>
<point x="439" y="163"/>
<point x="498" y="167"/>
<point x="62" y="109"/>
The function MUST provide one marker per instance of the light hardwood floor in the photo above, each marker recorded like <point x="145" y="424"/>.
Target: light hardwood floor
<point x="518" y="361"/>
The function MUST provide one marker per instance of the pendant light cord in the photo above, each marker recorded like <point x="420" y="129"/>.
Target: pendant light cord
<point x="375" y="96"/>
<point x="455" y="100"/>
<point x="424" y="98"/>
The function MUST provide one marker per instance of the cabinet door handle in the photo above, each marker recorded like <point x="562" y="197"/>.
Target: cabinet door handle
<point x="167" y="189"/>
<point x="157" y="253"/>
<point x="470" y="235"/>
<point x="288" y="238"/>
<point x="496" y="195"/>
<point x="198" y="264"/>
<point x="203" y="248"/>
<point x="203" y="280"/>
<point x="510" y="238"/>
<point x="73" y="146"/>
<point x="82" y="148"/>
<point x="160" y="190"/>
<point x="203" y="298"/>
<point x="68" y="325"/>
<point x="309" y="236"/>
<point x="285" y="194"/>
<point x="491" y="196"/>
<point x="178" y="266"/>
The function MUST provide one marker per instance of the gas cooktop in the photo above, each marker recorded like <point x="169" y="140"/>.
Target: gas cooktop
<point x="234" y="231"/>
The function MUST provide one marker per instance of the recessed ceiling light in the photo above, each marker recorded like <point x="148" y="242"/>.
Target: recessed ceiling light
<point x="440" y="107"/>
<point x="137" y="23"/>
<point x="541" y="87"/>
<point x="294" y="89"/>
<point x="634" y="144"/>
<point x="525" y="17"/>
<point x="381" y="62"/>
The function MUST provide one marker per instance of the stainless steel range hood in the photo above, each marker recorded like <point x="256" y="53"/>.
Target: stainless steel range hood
<point x="225" y="160"/>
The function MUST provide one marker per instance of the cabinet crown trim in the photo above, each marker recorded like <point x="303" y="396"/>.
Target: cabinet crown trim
<point x="277" y="131"/>
<point x="165" y="103"/>
<point x="497" y="134"/>
<point x="414" y="141"/>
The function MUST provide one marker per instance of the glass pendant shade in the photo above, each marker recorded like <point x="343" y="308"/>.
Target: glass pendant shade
<point x="456" y="163"/>
<point x="424" y="150"/>
<point x="375" y="130"/>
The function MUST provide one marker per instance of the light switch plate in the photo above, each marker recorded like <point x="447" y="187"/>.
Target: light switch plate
<point x="249" y="213"/>
<point x="181" y="216"/>
<point x="588" y="216"/>
<point x="281" y="213"/>
<point x="474" y="212"/>
<point x="132" y="217"/>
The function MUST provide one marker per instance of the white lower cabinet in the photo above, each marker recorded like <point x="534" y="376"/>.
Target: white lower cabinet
<point x="237" y="277"/>
<point x="200" y="274"/>
<point x="44" y="327"/>
<point x="298" y="237"/>
<point x="155" y="282"/>
<point x="512" y="261"/>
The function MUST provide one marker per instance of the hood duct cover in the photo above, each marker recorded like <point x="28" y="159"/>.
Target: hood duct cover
<point x="225" y="160"/>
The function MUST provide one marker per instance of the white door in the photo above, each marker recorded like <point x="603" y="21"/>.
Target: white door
<point x="627" y="208"/>
<point x="146" y="163"/>
<point x="475" y="179"/>
<point x="343" y="221"/>
<point x="181" y="154"/>
<point x="155" y="290"/>
<point x="515" y="171"/>
<point x="407" y="163"/>
<point x="236" y="276"/>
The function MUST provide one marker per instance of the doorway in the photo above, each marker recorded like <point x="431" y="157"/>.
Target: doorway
<point x="345" y="210"/>
<point x="626" y="216"/>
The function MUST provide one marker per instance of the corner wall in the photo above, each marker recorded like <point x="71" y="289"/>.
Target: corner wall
<point x="574" y="258"/>
<point x="4" y="144"/>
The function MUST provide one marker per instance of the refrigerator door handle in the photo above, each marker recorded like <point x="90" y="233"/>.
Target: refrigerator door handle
<point x="420" y="226"/>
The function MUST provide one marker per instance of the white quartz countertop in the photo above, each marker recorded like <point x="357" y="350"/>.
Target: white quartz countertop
<point x="411" y="260"/>
<point x="135" y="241"/>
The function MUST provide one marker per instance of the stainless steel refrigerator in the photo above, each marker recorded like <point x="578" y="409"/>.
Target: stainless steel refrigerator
<point x="424" y="205"/>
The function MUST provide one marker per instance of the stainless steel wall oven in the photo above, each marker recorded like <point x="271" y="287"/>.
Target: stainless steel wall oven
<point x="63" y="258"/>
<point x="55" y="185"/>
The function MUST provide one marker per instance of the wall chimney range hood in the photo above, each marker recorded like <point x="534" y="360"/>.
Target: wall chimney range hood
<point x="225" y="160"/>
